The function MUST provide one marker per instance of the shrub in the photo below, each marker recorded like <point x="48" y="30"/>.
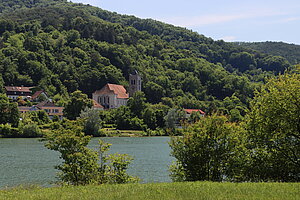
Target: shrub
<point x="6" y="130"/>
<point x="208" y="151"/>
<point x="31" y="130"/>
<point x="80" y="164"/>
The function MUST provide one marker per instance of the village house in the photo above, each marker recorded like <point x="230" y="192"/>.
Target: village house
<point x="51" y="109"/>
<point x="14" y="92"/>
<point x="24" y="109"/>
<point x="188" y="112"/>
<point x="39" y="95"/>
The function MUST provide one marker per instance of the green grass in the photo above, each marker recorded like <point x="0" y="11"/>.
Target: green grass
<point x="174" y="191"/>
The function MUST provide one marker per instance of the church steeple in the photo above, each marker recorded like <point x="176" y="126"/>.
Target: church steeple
<point x="135" y="83"/>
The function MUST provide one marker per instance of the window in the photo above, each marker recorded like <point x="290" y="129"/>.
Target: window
<point x="108" y="100"/>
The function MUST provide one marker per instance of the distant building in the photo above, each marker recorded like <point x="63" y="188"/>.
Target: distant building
<point x="14" y="92"/>
<point x="135" y="83"/>
<point x="51" y="109"/>
<point x="48" y="106"/>
<point x="111" y="96"/>
<point x="24" y="109"/>
<point x="39" y="95"/>
<point x="188" y="112"/>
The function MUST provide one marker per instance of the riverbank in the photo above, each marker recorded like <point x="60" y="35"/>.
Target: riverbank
<point x="188" y="190"/>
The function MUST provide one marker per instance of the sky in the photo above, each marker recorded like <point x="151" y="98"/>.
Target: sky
<point x="230" y="20"/>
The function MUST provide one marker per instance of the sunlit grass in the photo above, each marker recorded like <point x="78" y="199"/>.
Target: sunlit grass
<point x="174" y="191"/>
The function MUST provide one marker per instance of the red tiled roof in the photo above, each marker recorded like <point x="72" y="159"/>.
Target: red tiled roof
<point x="119" y="90"/>
<point x="47" y="104"/>
<point x="189" y="111"/>
<point x="18" y="89"/>
<point x="96" y="104"/>
<point x="36" y="94"/>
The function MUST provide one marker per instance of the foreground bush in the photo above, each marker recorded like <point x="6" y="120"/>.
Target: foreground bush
<point x="80" y="164"/>
<point x="208" y="150"/>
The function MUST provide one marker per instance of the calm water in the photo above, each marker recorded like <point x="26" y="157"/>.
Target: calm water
<point x="27" y="161"/>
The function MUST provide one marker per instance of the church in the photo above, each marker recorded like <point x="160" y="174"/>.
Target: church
<point x="114" y="96"/>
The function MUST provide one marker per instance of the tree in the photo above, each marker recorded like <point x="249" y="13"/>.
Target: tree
<point x="78" y="102"/>
<point x="243" y="61"/>
<point x="274" y="130"/>
<point x="31" y="130"/>
<point x="208" y="151"/>
<point x="80" y="164"/>
<point x="92" y="121"/>
<point x="173" y="117"/>
<point x="124" y="119"/>
<point x="1" y="84"/>
<point x="113" y="167"/>
<point x="9" y="112"/>
<point x="137" y="103"/>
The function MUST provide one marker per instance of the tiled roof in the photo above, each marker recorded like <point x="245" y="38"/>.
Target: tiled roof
<point x="36" y="94"/>
<point x="46" y="104"/>
<point x="119" y="90"/>
<point x="96" y="104"/>
<point x="17" y="89"/>
<point x="189" y="111"/>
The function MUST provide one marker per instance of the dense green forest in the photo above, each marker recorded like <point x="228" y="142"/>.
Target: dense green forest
<point x="62" y="47"/>
<point x="289" y="51"/>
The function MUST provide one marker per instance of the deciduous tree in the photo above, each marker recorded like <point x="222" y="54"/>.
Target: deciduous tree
<point x="208" y="151"/>
<point x="9" y="112"/>
<point x="77" y="103"/>
<point x="274" y="130"/>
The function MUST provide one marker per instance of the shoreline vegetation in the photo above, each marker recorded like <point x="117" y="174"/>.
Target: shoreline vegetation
<point x="110" y="132"/>
<point x="177" y="190"/>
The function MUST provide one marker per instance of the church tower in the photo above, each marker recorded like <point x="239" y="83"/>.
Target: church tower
<point x="135" y="83"/>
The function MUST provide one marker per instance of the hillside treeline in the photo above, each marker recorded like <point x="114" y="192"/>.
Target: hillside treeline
<point x="289" y="51"/>
<point x="62" y="47"/>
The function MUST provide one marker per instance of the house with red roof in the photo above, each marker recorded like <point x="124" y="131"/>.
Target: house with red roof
<point x="111" y="96"/>
<point x="188" y="112"/>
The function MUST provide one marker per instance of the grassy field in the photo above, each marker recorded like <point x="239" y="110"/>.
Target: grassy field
<point x="174" y="191"/>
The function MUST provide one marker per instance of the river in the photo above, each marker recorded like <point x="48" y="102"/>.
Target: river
<point x="27" y="161"/>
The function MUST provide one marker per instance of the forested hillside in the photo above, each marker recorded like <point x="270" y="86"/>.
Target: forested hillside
<point x="61" y="47"/>
<point x="289" y="51"/>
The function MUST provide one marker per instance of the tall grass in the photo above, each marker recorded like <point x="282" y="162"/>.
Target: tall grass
<point x="174" y="191"/>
